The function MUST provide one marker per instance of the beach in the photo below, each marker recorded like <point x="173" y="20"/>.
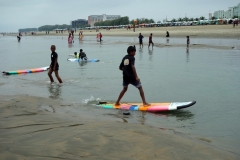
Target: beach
<point x="39" y="128"/>
<point x="205" y="31"/>
<point x="43" y="121"/>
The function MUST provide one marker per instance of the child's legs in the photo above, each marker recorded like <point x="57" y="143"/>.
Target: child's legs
<point x="142" y="94"/>
<point x="50" y="74"/>
<point x="121" y="94"/>
<point x="59" y="79"/>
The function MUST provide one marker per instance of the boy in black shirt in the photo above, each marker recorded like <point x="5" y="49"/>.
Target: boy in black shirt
<point x="130" y="75"/>
<point x="82" y="55"/>
<point x="54" y="65"/>
<point x="140" y="39"/>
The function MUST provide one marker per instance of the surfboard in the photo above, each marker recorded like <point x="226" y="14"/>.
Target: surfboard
<point x="155" y="107"/>
<point x="26" y="71"/>
<point x="80" y="60"/>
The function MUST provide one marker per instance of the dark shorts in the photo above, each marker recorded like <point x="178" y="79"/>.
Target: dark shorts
<point x="140" y="42"/>
<point x="57" y="67"/>
<point x="136" y="84"/>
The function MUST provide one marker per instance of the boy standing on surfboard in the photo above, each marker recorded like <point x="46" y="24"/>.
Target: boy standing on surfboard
<point x="130" y="75"/>
<point x="54" y="65"/>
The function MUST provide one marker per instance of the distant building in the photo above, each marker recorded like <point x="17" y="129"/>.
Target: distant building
<point x="230" y="13"/>
<point x="79" y="23"/>
<point x="100" y="18"/>
<point x="219" y="14"/>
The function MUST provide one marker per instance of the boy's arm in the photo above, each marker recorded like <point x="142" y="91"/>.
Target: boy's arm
<point x="121" y="66"/>
<point x="135" y="73"/>
<point x="55" y="64"/>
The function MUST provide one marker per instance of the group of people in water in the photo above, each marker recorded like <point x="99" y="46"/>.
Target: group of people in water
<point x="71" y="36"/>
<point x="150" y="41"/>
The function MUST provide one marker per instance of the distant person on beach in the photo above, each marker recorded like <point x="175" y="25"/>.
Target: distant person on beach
<point x="167" y="34"/>
<point x="54" y="67"/>
<point x="82" y="55"/>
<point x="19" y="38"/>
<point x="72" y="31"/>
<point x="130" y="75"/>
<point x="150" y="41"/>
<point x="69" y="38"/>
<point x="100" y="37"/>
<point x="81" y="35"/>
<point x="140" y="40"/>
<point x="97" y="37"/>
<point x="188" y="42"/>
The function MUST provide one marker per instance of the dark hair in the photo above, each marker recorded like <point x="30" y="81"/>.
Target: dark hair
<point x="131" y="49"/>
<point x="187" y="36"/>
<point x="81" y="50"/>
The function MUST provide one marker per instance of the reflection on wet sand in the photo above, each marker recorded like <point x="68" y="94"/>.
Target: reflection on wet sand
<point x="69" y="45"/>
<point x="150" y="52"/>
<point x="187" y="55"/>
<point x="167" y="40"/>
<point x="81" y="63"/>
<point x="180" y="115"/>
<point x="55" y="91"/>
<point x="140" y="53"/>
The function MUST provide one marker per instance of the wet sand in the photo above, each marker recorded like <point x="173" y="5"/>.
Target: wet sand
<point x="42" y="128"/>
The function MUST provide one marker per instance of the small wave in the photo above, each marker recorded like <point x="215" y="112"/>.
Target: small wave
<point x="91" y="100"/>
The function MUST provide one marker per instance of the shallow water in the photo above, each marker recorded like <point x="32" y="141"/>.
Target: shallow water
<point x="209" y="76"/>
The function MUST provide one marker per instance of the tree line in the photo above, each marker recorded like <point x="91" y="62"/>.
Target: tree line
<point x="52" y="27"/>
<point x="28" y="30"/>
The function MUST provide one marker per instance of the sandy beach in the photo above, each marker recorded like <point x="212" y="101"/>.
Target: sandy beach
<point x="39" y="128"/>
<point x="206" y="31"/>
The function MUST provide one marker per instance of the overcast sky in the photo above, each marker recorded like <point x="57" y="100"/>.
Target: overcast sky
<point x="16" y="14"/>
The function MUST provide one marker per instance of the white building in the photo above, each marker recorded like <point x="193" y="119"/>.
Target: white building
<point x="230" y="13"/>
<point x="99" y="18"/>
<point x="219" y="14"/>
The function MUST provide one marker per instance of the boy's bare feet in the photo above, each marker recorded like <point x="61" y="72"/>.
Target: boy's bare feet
<point x="146" y="104"/>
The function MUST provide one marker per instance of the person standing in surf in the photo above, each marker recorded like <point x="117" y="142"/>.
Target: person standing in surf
<point x="100" y="36"/>
<point x="150" y="41"/>
<point x="54" y="67"/>
<point x="130" y="75"/>
<point x="188" y="42"/>
<point x="70" y="38"/>
<point x="140" y="40"/>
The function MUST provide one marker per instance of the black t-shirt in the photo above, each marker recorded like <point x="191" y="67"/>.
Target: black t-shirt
<point x="54" y="57"/>
<point x="82" y="54"/>
<point x="126" y="66"/>
<point x="140" y="38"/>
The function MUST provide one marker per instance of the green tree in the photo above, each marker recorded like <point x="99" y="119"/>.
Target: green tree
<point x="173" y="20"/>
<point x="202" y="18"/>
<point x="180" y="19"/>
<point x="213" y="18"/>
<point x="196" y="19"/>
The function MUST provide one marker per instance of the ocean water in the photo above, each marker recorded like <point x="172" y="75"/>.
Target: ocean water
<point x="168" y="74"/>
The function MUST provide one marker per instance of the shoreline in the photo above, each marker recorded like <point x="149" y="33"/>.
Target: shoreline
<point x="37" y="127"/>
<point x="206" y="31"/>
